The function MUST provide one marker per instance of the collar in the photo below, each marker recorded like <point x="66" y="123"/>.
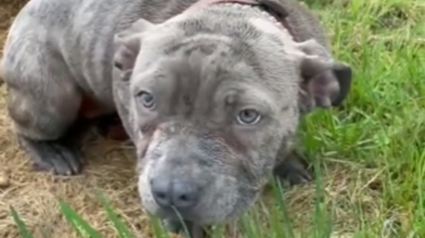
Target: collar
<point x="270" y="6"/>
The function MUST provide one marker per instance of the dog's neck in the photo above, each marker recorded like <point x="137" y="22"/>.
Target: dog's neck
<point x="270" y="6"/>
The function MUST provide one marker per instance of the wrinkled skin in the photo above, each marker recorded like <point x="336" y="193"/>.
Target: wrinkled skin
<point x="200" y="78"/>
<point x="182" y="83"/>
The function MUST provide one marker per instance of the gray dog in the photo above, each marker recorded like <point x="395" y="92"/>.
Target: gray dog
<point x="211" y="92"/>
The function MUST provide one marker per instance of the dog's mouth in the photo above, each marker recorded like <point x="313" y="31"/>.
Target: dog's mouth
<point x="179" y="223"/>
<point x="188" y="228"/>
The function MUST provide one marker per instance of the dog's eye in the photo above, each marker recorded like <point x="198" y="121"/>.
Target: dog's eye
<point x="248" y="117"/>
<point x="146" y="98"/>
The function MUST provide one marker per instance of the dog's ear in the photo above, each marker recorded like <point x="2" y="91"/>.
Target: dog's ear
<point x="324" y="83"/>
<point x="127" y="44"/>
<point x="312" y="47"/>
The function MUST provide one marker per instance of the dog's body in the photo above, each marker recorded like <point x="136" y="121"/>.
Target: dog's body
<point x="181" y="73"/>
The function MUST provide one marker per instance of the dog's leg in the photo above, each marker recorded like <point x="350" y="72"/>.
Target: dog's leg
<point x="294" y="169"/>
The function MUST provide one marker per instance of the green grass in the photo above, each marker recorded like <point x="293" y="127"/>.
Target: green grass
<point x="372" y="152"/>
<point x="249" y="225"/>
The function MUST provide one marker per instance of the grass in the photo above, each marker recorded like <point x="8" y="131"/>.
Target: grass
<point x="372" y="152"/>
<point x="249" y="224"/>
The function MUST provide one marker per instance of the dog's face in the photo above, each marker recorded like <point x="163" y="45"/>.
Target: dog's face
<point x="212" y="104"/>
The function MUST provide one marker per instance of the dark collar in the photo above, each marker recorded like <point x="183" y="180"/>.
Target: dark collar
<point x="270" y="6"/>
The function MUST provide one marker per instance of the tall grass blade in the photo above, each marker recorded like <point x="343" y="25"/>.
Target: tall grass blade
<point x="286" y="226"/>
<point x="158" y="228"/>
<point x="122" y="229"/>
<point x="21" y="224"/>
<point x="79" y="224"/>
<point x="322" y="224"/>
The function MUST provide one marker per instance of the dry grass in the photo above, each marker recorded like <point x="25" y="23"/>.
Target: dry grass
<point x="370" y="189"/>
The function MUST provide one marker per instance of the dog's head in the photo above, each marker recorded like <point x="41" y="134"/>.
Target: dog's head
<point x="214" y="95"/>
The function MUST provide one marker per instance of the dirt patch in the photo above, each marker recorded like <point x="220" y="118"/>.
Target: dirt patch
<point x="34" y="195"/>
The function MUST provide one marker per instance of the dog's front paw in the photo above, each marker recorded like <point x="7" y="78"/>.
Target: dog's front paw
<point x="294" y="170"/>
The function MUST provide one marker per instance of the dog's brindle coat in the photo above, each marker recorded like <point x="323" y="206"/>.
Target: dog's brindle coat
<point x="211" y="94"/>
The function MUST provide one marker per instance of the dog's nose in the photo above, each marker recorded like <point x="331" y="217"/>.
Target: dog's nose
<point x="173" y="193"/>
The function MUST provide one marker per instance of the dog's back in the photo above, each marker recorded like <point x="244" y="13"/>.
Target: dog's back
<point x="81" y="31"/>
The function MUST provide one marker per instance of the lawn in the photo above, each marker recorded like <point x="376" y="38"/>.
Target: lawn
<point x="371" y="152"/>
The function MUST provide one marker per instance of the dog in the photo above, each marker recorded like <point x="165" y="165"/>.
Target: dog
<point x="210" y="92"/>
